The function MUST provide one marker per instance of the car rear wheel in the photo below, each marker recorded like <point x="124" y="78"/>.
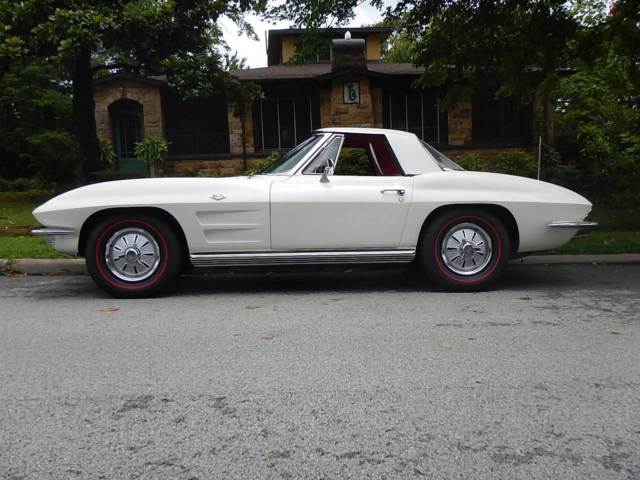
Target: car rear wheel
<point x="464" y="250"/>
<point x="132" y="255"/>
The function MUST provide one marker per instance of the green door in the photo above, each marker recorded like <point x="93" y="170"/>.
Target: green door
<point x="127" y="130"/>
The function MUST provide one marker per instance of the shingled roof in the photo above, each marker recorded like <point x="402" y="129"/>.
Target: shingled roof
<point x="320" y="70"/>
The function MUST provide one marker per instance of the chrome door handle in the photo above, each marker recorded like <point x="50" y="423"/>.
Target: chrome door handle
<point x="217" y="196"/>
<point x="399" y="191"/>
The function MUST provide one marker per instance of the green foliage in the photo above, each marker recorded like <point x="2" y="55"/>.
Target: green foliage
<point x="54" y="155"/>
<point x="33" y="107"/>
<point x="263" y="164"/>
<point x="514" y="47"/>
<point x="19" y="184"/>
<point x="83" y="40"/>
<point x="107" y="155"/>
<point x="353" y="161"/>
<point x="512" y="162"/>
<point x="472" y="162"/>
<point x="598" y="120"/>
<point x="516" y="162"/>
<point x="153" y="152"/>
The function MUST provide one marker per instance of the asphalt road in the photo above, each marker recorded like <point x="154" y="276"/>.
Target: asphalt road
<point x="330" y="375"/>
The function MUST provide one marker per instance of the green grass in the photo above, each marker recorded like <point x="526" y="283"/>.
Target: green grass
<point x="603" y="241"/>
<point x="16" y="207"/>
<point x="27" y="247"/>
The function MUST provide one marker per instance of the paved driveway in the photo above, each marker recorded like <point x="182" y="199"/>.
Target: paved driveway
<point x="324" y="375"/>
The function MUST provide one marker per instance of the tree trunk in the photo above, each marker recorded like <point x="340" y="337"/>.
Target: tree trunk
<point x="83" y="114"/>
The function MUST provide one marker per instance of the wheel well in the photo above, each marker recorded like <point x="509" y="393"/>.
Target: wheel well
<point x="503" y="214"/>
<point x="149" y="211"/>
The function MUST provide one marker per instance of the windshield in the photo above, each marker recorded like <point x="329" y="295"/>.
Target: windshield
<point x="444" y="162"/>
<point x="291" y="158"/>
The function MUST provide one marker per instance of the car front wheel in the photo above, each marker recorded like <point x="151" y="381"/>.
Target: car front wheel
<point x="132" y="255"/>
<point x="465" y="250"/>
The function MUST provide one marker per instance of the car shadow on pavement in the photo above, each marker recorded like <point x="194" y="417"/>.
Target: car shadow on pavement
<point x="549" y="278"/>
<point x="357" y="279"/>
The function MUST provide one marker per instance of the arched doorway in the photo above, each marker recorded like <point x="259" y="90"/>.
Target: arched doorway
<point x="127" y="128"/>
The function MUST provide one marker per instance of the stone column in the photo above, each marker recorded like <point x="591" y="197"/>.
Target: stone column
<point x="460" y="124"/>
<point x="235" y="131"/>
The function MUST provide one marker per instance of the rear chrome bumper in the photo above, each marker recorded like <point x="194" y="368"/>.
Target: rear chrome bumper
<point x="573" y="224"/>
<point x="44" y="231"/>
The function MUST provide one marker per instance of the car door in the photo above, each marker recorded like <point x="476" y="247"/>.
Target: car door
<point x="363" y="204"/>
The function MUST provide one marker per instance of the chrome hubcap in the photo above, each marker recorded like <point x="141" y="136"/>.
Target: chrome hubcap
<point x="466" y="249"/>
<point x="132" y="254"/>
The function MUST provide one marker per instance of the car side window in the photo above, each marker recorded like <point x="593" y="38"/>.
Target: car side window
<point x="368" y="155"/>
<point x="330" y="152"/>
<point x="355" y="161"/>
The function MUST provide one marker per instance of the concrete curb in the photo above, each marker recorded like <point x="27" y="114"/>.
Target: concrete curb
<point x="76" y="266"/>
<point x="44" y="266"/>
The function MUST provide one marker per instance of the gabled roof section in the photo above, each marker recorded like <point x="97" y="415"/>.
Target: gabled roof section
<point x="158" y="80"/>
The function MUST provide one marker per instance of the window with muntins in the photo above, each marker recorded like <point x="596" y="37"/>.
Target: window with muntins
<point x="415" y="112"/>
<point x="500" y="121"/>
<point x="196" y="126"/>
<point x="283" y="123"/>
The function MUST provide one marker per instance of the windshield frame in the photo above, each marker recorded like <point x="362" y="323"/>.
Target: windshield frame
<point x="293" y="168"/>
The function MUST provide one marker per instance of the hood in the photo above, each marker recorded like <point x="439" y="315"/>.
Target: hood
<point x="145" y="191"/>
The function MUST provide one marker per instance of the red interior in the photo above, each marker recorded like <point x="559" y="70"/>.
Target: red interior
<point x="384" y="154"/>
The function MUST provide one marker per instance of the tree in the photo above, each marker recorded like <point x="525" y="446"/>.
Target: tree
<point x="35" y="108"/>
<point x="517" y="48"/>
<point x="85" y="38"/>
<point x="512" y="47"/>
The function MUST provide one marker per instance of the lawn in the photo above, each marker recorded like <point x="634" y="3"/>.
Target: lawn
<point x="603" y="241"/>
<point x="16" y="207"/>
<point x="619" y="232"/>
<point x="27" y="247"/>
<point x="15" y="212"/>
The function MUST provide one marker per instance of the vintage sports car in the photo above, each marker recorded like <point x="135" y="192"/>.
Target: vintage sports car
<point x="345" y="195"/>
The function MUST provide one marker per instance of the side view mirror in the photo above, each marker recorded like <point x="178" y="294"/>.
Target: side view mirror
<point x="328" y="170"/>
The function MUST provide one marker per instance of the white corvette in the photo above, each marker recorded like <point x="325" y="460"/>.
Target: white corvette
<point x="345" y="195"/>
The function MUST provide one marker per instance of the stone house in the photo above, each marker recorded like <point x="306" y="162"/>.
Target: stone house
<point x="345" y="84"/>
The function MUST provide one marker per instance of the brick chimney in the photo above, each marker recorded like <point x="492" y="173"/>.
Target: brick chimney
<point x="348" y="54"/>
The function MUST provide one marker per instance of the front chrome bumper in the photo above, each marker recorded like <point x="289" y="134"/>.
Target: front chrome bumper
<point x="573" y="224"/>
<point x="45" y="231"/>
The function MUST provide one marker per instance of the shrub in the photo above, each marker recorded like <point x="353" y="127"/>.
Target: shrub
<point x="5" y="185"/>
<point x="107" y="154"/>
<point x="263" y="164"/>
<point x="153" y="152"/>
<point x="473" y="162"/>
<point x="54" y="155"/>
<point x="516" y="162"/>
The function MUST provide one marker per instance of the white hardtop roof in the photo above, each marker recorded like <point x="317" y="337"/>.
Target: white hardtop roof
<point x="414" y="158"/>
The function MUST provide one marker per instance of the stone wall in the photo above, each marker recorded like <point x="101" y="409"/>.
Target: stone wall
<point x="147" y="95"/>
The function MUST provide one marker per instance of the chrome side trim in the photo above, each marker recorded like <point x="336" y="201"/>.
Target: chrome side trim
<point x="573" y="224"/>
<point x="301" y="258"/>
<point x="51" y="231"/>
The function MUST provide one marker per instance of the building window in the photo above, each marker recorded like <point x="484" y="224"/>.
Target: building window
<point x="503" y="121"/>
<point x="196" y="126"/>
<point x="415" y="112"/>
<point x="283" y="123"/>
